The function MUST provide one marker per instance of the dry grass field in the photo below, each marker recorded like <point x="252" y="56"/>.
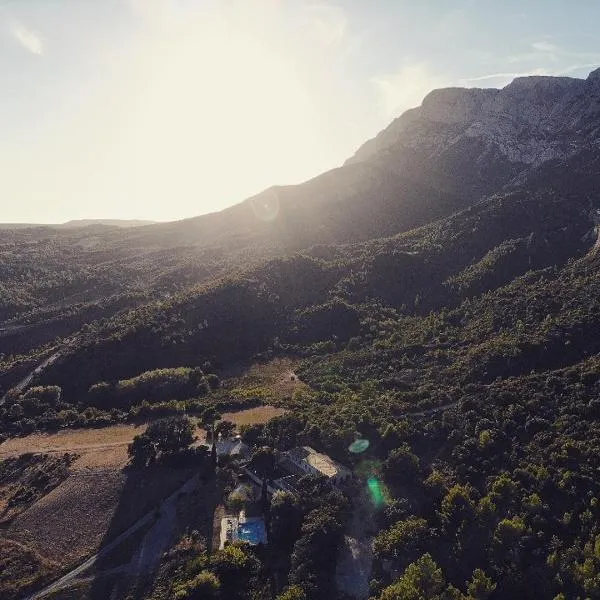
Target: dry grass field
<point x="106" y="448"/>
<point x="97" y="448"/>
<point x="21" y="569"/>
<point x="70" y="522"/>
<point x="252" y="416"/>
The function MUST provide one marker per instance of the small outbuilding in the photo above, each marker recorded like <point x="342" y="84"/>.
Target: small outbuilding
<point x="306" y="460"/>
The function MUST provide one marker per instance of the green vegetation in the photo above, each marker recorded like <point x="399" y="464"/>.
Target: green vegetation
<point x="165" y="437"/>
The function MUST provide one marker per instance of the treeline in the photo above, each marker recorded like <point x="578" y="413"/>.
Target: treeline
<point x="155" y="386"/>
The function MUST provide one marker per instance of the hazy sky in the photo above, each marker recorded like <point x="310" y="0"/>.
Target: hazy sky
<point x="167" y="109"/>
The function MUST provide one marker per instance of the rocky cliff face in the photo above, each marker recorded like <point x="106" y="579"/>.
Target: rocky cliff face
<point x="528" y="122"/>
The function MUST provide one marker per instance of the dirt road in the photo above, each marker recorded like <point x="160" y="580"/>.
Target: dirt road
<point x="19" y="387"/>
<point x="355" y="561"/>
<point x="157" y="540"/>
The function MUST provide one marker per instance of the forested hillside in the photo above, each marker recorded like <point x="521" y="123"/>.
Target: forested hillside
<point x="444" y="306"/>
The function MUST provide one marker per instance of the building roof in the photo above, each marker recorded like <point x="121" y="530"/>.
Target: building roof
<point x="321" y="462"/>
<point x="232" y="447"/>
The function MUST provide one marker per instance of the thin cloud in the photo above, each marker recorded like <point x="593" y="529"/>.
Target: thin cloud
<point x="27" y="38"/>
<point x="544" y="47"/>
<point x="510" y="76"/>
<point x="548" y="52"/>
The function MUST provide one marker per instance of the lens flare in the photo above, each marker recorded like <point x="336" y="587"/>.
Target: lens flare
<point x="370" y="471"/>
<point x="266" y="206"/>
<point x="376" y="491"/>
<point x="358" y="446"/>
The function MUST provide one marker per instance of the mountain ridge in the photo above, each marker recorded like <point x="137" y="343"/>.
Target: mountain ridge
<point x="77" y="223"/>
<point x="541" y="101"/>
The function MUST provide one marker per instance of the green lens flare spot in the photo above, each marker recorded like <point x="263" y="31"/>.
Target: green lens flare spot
<point x="358" y="446"/>
<point x="376" y="491"/>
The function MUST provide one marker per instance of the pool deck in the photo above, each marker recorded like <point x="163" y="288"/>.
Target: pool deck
<point x="230" y="527"/>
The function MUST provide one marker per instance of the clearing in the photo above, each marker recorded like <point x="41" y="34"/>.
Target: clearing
<point x="97" y="448"/>
<point x="276" y="378"/>
<point x="253" y="416"/>
<point x="106" y="448"/>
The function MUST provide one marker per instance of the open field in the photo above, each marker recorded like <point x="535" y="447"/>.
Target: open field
<point x="89" y="509"/>
<point x="252" y="416"/>
<point x="106" y="448"/>
<point x="70" y="522"/>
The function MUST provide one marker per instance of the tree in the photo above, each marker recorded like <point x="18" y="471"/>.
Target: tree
<point x="457" y="506"/>
<point x="207" y="422"/>
<point x="142" y="451"/>
<point x="48" y="394"/>
<point x="404" y="541"/>
<point x="422" y="580"/>
<point x="402" y="465"/>
<point x="171" y="435"/>
<point x="213" y="381"/>
<point x="295" y="592"/>
<point x="286" y="521"/>
<point x="234" y="566"/>
<point x="481" y="586"/>
<point x="263" y="462"/>
<point x="315" y="552"/>
<point x="165" y="436"/>
<point x="225" y="429"/>
<point x="204" y="586"/>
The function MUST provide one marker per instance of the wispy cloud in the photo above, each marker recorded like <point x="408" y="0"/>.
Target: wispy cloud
<point x="500" y="79"/>
<point x="545" y="51"/>
<point x="509" y="76"/>
<point x="406" y="88"/>
<point x="544" y="47"/>
<point x="27" y="38"/>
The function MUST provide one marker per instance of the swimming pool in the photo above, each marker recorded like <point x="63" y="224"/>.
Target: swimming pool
<point x="253" y="532"/>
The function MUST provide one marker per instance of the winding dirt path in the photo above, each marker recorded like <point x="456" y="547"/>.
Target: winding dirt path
<point x="19" y="387"/>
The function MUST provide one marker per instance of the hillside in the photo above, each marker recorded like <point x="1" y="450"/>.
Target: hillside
<point x="81" y="223"/>
<point x="441" y="292"/>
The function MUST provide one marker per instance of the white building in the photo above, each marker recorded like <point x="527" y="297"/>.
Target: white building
<point x="305" y="459"/>
<point x="233" y="447"/>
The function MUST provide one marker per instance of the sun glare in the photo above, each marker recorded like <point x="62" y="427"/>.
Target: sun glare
<point x="210" y="105"/>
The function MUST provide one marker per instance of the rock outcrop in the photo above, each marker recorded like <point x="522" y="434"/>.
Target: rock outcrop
<point x="528" y="122"/>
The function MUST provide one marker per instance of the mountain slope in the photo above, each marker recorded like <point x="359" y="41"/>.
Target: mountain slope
<point x="441" y="292"/>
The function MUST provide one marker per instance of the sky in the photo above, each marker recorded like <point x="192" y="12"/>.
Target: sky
<point x="166" y="109"/>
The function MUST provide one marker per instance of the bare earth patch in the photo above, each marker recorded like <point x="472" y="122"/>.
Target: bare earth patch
<point x="69" y="523"/>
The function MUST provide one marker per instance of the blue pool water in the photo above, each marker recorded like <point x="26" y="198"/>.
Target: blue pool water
<point x="252" y="532"/>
